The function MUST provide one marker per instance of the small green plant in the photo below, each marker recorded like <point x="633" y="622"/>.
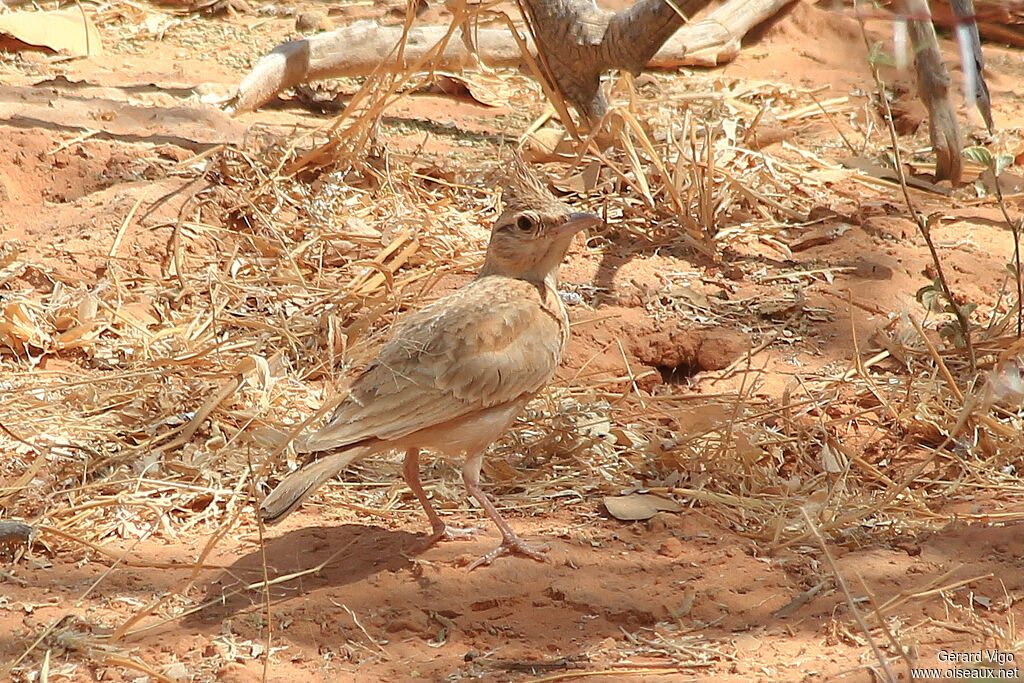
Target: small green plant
<point x="878" y="57"/>
<point x="996" y="164"/>
<point x="932" y="298"/>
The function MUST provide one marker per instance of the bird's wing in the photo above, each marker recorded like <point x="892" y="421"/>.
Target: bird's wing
<point x="490" y="343"/>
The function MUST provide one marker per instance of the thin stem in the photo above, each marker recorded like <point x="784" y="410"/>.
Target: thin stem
<point x="1015" y="228"/>
<point x="923" y="227"/>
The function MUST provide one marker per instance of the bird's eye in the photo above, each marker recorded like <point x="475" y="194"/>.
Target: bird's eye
<point x="524" y="223"/>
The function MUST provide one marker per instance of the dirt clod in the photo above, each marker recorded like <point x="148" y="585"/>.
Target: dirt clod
<point x="679" y="352"/>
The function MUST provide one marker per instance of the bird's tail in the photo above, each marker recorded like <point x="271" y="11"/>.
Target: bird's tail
<point x="298" y="485"/>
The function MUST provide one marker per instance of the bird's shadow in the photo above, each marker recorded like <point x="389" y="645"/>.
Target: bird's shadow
<point x="305" y="560"/>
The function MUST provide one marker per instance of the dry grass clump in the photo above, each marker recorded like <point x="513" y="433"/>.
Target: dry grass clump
<point x="960" y="428"/>
<point x="179" y="371"/>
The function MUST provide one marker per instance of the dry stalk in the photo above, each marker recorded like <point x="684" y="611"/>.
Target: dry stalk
<point x="893" y="642"/>
<point x="923" y="225"/>
<point x="1015" y="228"/>
<point x="850" y="602"/>
<point x="268" y="613"/>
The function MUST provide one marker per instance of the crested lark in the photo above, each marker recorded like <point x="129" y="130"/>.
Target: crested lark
<point x="454" y="374"/>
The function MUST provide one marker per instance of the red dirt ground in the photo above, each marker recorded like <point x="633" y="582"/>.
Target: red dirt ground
<point x="689" y="595"/>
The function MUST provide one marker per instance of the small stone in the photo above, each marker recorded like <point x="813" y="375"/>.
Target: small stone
<point x="732" y="272"/>
<point x="662" y="521"/>
<point x="308" y="22"/>
<point x="671" y="547"/>
<point x="236" y="672"/>
<point x="176" y="671"/>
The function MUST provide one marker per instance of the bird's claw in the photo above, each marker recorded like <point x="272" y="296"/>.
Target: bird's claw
<point x="512" y="544"/>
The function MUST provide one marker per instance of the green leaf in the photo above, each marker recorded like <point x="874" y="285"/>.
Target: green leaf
<point x="878" y="57"/>
<point x="930" y="297"/>
<point x="951" y="331"/>
<point x="980" y="155"/>
<point x="1003" y="161"/>
<point x="967" y="309"/>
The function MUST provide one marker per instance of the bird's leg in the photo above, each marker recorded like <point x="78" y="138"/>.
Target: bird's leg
<point x="411" y="472"/>
<point x="509" y="540"/>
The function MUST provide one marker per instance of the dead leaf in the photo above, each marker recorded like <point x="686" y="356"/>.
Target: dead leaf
<point x="488" y="94"/>
<point x="700" y="418"/>
<point x="87" y="308"/>
<point x="582" y="182"/>
<point x="139" y="313"/>
<point x="639" y="506"/>
<point x="831" y="460"/>
<point x="746" y="450"/>
<point x="695" y="298"/>
<point x="500" y="470"/>
<point x="1009" y="183"/>
<point x="543" y="142"/>
<point x="77" y="336"/>
<point x="548" y="144"/>
<point x="779" y="307"/>
<point x="819" y="496"/>
<point x="622" y="435"/>
<point x="18" y="326"/>
<point x="59" y="31"/>
<point x="876" y="170"/>
<point x="818" y="236"/>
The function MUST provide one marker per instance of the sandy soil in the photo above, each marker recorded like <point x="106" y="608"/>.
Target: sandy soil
<point x="723" y="589"/>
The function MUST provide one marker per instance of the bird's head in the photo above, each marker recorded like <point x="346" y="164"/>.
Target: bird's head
<point x="531" y="236"/>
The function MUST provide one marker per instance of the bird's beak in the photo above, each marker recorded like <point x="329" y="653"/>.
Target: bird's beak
<point x="577" y="222"/>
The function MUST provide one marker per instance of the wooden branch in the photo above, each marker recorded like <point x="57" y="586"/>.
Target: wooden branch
<point x="997" y="20"/>
<point x="933" y="89"/>
<point x="356" y="49"/>
<point x="14" y="535"/>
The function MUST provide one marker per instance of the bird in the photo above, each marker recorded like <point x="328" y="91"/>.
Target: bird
<point x="453" y="375"/>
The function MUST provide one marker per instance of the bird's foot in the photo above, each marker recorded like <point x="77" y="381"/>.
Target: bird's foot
<point x="512" y="544"/>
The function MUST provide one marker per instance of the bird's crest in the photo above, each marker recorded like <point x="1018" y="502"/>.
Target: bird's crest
<point x="524" y="189"/>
